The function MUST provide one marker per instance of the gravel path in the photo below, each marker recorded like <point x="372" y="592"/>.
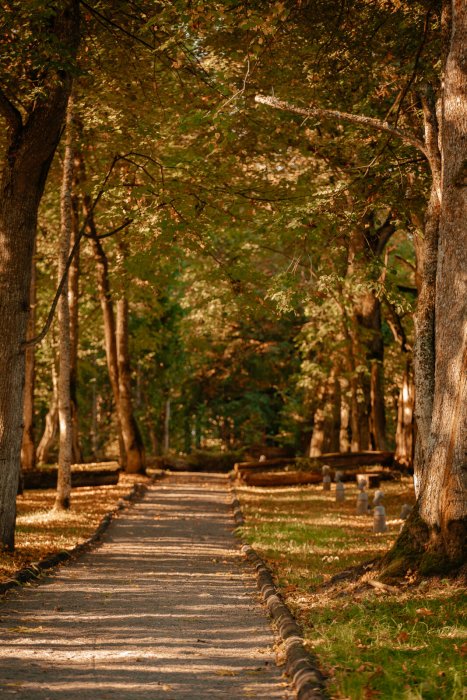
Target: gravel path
<point x="164" y="608"/>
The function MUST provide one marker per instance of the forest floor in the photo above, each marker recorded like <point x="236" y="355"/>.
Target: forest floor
<point x="41" y="531"/>
<point x="404" y="643"/>
<point x="165" y="607"/>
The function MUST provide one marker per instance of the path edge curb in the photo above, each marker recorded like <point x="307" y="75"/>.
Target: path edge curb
<point x="302" y="668"/>
<point x="34" y="571"/>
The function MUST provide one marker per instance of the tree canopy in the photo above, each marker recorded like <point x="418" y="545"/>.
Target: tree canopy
<point x="257" y="211"/>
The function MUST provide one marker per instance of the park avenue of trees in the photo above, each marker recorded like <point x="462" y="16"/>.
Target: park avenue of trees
<point x="232" y="224"/>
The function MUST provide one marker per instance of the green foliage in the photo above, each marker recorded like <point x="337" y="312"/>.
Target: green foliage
<point x="237" y="264"/>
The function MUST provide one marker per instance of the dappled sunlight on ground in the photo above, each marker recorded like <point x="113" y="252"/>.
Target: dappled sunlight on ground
<point x="41" y="530"/>
<point x="404" y="643"/>
<point x="164" y="608"/>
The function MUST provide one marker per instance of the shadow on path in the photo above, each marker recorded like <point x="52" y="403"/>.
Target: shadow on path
<point x="165" y="608"/>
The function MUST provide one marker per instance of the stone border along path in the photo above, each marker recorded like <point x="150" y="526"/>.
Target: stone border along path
<point x="164" y="608"/>
<point x="301" y="666"/>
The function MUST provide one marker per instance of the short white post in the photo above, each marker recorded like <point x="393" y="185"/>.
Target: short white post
<point x="362" y="481"/>
<point x="340" y="492"/>
<point x="326" y="471"/>
<point x="379" y="521"/>
<point x="362" y="503"/>
<point x="378" y="497"/>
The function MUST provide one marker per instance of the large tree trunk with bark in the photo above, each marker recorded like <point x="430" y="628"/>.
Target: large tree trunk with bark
<point x="443" y="503"/>
<point x="435" y="534"/>
<point x="65" y="450"/>
<point x="28" y="448"/>
<point x="135" y="455"/>
<point x="29" y="152"/>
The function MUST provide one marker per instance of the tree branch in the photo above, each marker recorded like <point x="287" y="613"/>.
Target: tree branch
<point x="368" y="122"/>
<point x="431" y="135"/>
<point x="40" y="337"/>
<point x="111" y="23"/>
<point x="109" y="233"/>
<point x="397" y="329"/>
<point x="11" y="114"/>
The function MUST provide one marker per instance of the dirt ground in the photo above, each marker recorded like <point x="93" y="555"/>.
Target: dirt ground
<point x="165" y="608"/>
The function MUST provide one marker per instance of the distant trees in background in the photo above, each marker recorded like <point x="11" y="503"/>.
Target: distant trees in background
<point x="241" y="275"/>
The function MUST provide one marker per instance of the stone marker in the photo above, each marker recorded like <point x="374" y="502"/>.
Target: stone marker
<point x="340" y="492"/>
<point x="362" y="503"/>
<point x="262" y="458"/>
<point x="338" y="477"/>
<point x="326" y="482"/>
<point x="405" y="511"/>
<point x="378" y="497"/>
<point x="325" y="469"/>
<point x="362" y="481"/>
<point x="379" y="521"/>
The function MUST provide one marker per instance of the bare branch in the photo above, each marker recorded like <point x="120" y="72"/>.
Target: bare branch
<point x="109" y="233"/>
<point x="406" y="262"/>
<point x="111" y="23"/>
<point x="40" y="337"/>
<point x="368" y="122"/>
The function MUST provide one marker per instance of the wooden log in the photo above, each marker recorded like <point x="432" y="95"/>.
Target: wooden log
<point x="281" y="478"/>
<point x="336" y="460"/>
<point x="278" y="463"/>
<point x="350" y="460"/>
<point x="81" y="475"/>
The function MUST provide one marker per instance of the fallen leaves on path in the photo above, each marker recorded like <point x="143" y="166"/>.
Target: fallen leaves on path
<point x="42" y="531"/>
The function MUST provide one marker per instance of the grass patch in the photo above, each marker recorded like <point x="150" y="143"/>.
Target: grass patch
<point x="41" y="531"/>
<point x="404" y="645"/>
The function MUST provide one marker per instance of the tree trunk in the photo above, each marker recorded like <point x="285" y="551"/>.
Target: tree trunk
<point x="365" y="246"/>
<point x="443" y="503"/>
<point x="405" y="420"/>
<point x="94" y="423"/>
<point x="167" y="426"/>
<point x="110" y="340"/>
<point x="360" y="436"/>
<point x="134" y="448"/>
<point x="65" y="449"/>
<point x="326" y="424"/>
<point x="369" y="345"/>
<point x="30" y="147"/>
<point x="153" y="437"/>
<point x="51" y="422"/>
<point x="434" y="536"/>
<point x="344" y="442"/>
<point x="317" y="437"/>
<point x="28" y="449"/>
<point x="198" y="430"/>
<point x="332" y="421"/>
<point x="73" y="302"/>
